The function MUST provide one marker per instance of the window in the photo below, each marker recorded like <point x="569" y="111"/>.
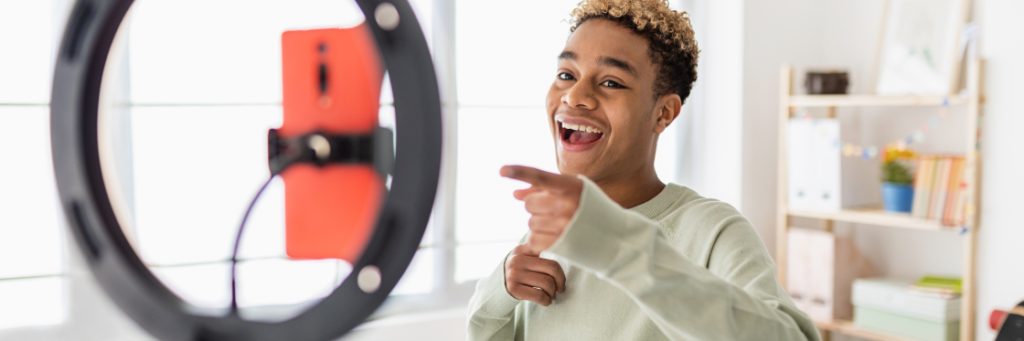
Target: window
<point x="32" y="291"/>
<point x="214" y="77"/>
<point x="209" y="80"/>
<point x="210" y="76"/>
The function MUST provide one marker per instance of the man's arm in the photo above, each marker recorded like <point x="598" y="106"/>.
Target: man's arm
<point x="685" y="300"/>
<point x="523" y="275"/>
<point x="492" y="309"/>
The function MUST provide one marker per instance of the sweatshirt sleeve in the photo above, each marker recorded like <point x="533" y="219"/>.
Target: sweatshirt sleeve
<point x="737" y="297"/>
<point x="492" y="308"/>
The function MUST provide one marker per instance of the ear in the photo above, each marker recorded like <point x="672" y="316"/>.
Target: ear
<point x="668" y="108"/>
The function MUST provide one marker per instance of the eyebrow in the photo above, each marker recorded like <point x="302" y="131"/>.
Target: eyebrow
<point x="605" y="61"/>
<point x="619" y="64"/>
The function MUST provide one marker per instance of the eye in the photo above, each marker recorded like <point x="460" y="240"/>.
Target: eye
<point x="565" y="76"/>
<point x="612" y="84"/>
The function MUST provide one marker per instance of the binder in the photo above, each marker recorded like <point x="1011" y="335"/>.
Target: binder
<point x="800" y="151"/>
<point x="826" y="159"/>
<point x="820" y="272"/>
<point x="798" y="260"/>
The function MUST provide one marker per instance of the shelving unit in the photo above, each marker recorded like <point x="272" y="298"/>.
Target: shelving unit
<point x="788" y="102"/>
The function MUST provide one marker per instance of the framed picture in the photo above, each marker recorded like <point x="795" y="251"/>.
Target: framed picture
<point x="918" y="51"/>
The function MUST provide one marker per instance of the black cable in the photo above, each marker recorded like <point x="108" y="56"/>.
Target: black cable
<point x="238" y="242"/>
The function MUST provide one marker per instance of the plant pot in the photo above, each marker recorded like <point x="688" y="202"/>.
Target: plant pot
<point x="897" y="197"/>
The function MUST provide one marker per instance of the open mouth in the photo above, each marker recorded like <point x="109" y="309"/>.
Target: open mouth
<point x="575" y="136"/>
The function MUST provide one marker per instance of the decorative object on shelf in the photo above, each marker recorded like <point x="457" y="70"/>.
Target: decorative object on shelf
<point x="822" y="268"/>
<point x="919" y="47"/>
<point x="1009" y="324"/>
<point x="826" y="83"/>
<point x="897" y="180"/>
<point x="850" y="149"/>
<point x="887" y="305"/>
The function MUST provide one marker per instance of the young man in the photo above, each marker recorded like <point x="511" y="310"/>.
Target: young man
<point x="628" y="257"/>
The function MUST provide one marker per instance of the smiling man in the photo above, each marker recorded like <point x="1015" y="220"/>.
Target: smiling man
<point x="627" y="257"/>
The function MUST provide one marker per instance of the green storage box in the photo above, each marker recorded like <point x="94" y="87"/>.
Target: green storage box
<point x="908" y="327"/>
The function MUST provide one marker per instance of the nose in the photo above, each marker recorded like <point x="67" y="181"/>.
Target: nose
<point x="581" y="96"/>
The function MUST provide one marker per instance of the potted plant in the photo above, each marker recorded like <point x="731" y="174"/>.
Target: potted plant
<point x="897" y="180"/>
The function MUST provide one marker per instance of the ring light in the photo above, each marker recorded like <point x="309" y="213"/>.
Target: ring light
<point x="119" y="270"/>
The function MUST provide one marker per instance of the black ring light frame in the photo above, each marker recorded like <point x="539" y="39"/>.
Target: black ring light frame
<point x="84" y="198"/>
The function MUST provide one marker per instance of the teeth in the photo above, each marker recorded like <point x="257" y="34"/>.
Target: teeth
<point x="580" y="127"/>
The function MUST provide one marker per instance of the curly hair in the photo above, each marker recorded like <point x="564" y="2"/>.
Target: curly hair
<point x="669" y="34"/>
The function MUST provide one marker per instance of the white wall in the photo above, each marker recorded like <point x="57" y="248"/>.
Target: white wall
<point x="718" y="163"/>
<point x="1000" y="269"/>
<point x="770" y="41"/>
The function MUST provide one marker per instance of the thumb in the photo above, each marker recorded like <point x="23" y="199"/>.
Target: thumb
<point x="521" y="194"/>
<point x="525" y="250"/>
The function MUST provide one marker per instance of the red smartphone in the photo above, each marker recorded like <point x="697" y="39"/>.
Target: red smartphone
<point x="331" y="83"/>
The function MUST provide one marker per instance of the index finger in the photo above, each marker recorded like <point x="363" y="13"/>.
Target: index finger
<point x="536" y="177"/>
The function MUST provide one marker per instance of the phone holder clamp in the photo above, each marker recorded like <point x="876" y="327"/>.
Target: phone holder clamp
<point x="322" y="149"/>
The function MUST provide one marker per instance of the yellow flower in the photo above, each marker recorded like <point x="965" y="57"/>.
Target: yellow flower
<point x="893" y="153"/>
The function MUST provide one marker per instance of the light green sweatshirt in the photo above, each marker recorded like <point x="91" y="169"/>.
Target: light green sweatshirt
<point x="678" y="267"/>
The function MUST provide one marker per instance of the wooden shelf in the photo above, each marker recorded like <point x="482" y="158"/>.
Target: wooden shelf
<point x="848" y="328"/>
<point x="877" y="217"/>
<point x="972" y="102"/>
<point x="871" y="100"/>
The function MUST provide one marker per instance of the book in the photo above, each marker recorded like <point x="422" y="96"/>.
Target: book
<point x="912" y="328"/>
<point x="937" y="287"/>
<point x="955" y="185"/>
<point x="895" y="296"/>
<point x="922" y="194"/>
<point x="933" y="292"/>
<point x="964" y="197"/>
<point x="938" y="199"/>
<point x="919" y="186"/>
<point x="952" y="284"/>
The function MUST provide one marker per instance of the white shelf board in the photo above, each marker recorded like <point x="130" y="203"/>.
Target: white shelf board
<point x="871" y="100"/>
<point x="877" y="217"/>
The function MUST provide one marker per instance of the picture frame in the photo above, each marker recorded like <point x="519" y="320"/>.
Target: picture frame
<point x="918" y="51"/>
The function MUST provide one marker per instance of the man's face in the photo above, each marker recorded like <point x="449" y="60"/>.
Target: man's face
<point x="601" y="107"/>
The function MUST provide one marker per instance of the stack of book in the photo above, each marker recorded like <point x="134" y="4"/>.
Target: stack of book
<point x="892" y="306"/>
<point x="939" y="189"/>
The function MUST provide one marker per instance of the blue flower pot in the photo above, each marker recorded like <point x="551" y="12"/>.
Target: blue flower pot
<point x="897" y="198"/>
